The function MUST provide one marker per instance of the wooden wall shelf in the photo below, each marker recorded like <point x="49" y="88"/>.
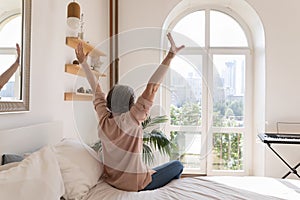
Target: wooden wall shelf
<point x="73" y="96"/>
<point x="74" y="41"/>
<point x="77" y="70"/>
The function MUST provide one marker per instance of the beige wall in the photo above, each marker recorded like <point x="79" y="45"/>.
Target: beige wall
<point x="281" y="23"/>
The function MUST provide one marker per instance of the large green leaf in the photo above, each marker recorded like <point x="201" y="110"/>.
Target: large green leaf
<point x="148" y="156"/>
<point x="149" y="122"/>
<point x="158" y="140"/>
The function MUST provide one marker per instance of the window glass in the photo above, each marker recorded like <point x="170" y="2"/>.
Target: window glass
<point x="227" y="151"/>
<point x="6" y="61"/>
<point x="10" y="33"/>
<point x="186" y="90"/>
<point x="186" y="148"/>
<point x="225" y="31"/>
<point x="228" y="90"/>
<point x="192" y="27"/>
<point x="8" y="90"/>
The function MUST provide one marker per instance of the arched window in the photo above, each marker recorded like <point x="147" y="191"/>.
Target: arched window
<point x="209" y="94"/>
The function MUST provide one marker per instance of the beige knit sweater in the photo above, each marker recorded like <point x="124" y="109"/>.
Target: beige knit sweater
<point x="122" y="144"/>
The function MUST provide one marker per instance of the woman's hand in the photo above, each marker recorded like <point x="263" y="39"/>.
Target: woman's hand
<point x="81" y="57"/>
<point x="18" y="53"/>
<point x="174" y="49"/>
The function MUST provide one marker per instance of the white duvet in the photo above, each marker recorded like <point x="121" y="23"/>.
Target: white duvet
<point x="231" y="188"/>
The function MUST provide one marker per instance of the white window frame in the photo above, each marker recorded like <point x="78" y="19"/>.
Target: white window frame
<point x="247" y="129"/>
<point x="207" y="105"/>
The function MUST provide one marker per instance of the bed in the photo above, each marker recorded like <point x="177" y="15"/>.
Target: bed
<point x="222" y="188"/>
<point x="57" y="168"/>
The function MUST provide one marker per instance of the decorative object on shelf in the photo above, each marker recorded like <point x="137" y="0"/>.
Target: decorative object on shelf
<point x="81" y="90"/>
<point x="89" y="91"/>
<point x="96" y="62"/>
<point x="73" y="18"/>
<point x="75" y="62"/>
<point x="80" y="34"/>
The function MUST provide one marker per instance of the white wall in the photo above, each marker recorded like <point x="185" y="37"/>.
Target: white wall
<point x="48" y="57"/>
<point x="281" y="24"/>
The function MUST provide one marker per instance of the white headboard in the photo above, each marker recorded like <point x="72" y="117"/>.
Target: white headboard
<point x="30" y="138"/>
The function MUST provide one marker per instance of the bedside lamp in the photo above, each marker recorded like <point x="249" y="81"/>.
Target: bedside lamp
<point x="73" y="18"/>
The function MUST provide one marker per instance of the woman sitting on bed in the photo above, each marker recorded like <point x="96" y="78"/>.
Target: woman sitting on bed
<point x="121" y="133"/>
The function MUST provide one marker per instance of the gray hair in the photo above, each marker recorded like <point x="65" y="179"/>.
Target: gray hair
<point x="120" y="98"/>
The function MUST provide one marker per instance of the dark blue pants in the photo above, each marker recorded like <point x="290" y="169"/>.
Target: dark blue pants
<point x="164" y="174"/>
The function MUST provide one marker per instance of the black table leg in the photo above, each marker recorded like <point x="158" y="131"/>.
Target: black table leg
<point x="293" y="170"/>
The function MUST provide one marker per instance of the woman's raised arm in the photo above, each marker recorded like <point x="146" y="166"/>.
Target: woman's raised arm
<point x="4" y="78"/>
<point x="159" y="74"/>
<point x="88" y="72"/>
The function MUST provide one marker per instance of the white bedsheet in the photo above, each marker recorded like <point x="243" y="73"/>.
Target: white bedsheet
<point x="231" y="188"/>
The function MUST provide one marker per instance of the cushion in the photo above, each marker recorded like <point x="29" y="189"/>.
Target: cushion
<point x="79" y="167"/>
<point x="36" y="177"/>
<point x="9" y="158"/>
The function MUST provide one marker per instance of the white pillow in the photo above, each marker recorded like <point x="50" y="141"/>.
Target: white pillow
<point x="8" y="166"/>
<point x="36" y="177"/>
<point x="79" y="167"/>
